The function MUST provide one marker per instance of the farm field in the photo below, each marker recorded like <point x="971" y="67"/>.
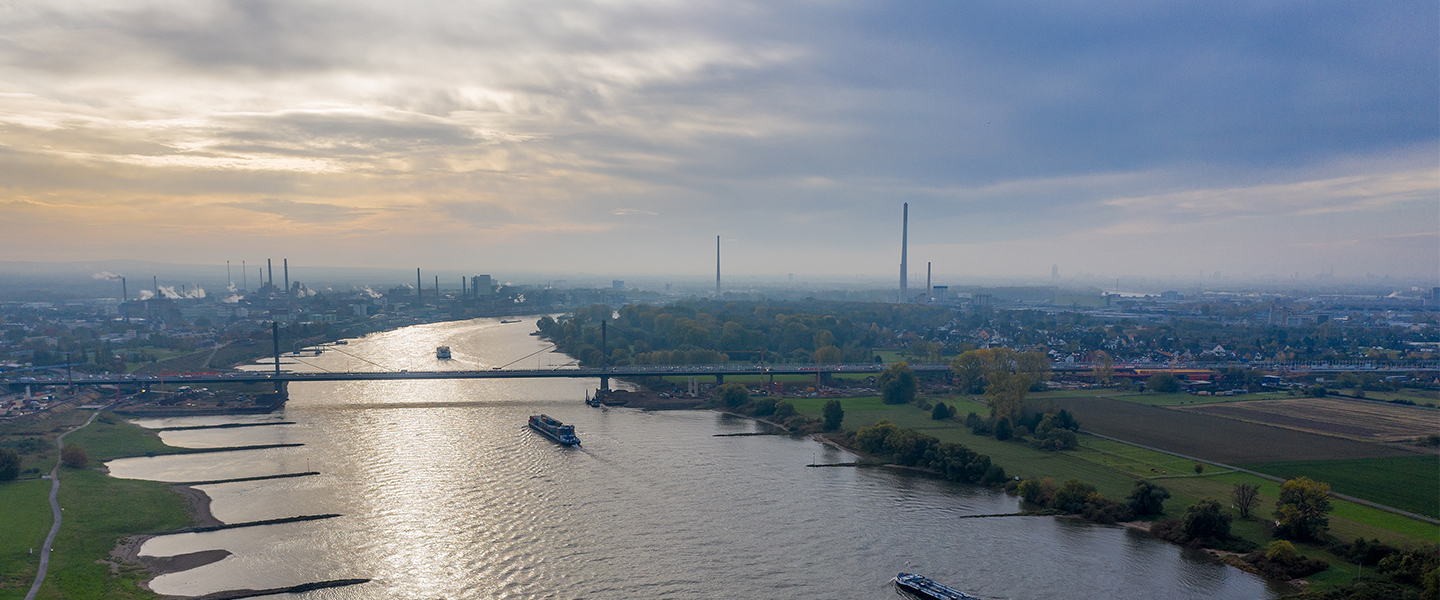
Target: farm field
<point x="1187" y="399"/>
<point x="1351" y="419"/>
<point x="1408" y="483"/>
<point x="1114" y="466"/>
<point x="1211" y="437"/>
<point x="1421" y="397"/>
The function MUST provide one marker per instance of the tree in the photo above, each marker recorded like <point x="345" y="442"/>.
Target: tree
<point x="1300" y="513"/>
<point x="1003" y="429"/>
<point x="941" y="412"/>
<point x="1199" y="468"/>
<point x="74" y="457"/>
<point x="1245" y="496"/>
<point x="1206" y="520"/>
<point x="898" y="384"/>
<point x="9" y="464"/>
<point x="733" y="394"/>
<point x="1104" y="373"/>
<point x="969" y="368"/>
<point x="1073" y="495"/>
<point x="828" y="354"/>
<point x="1006" y="395"/>
<point x="1147" y="498"/>
<point x="1163" y="383"/>
<point x="783" y="410"/>
<point x="834" y="415"/>
<point x="1281" y="551"/>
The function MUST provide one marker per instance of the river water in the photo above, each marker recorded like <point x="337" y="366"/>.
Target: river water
<point x="445" y="493"/>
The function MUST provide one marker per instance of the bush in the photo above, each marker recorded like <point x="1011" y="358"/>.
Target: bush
<point x="898" y="384"/>
<point x="834" y="415"/>
<point x="74" y="457"/>
<point x="1072" y="496"/>
<point x="1163" y="383"/>
<point x="1002" y="429"/>
<point x="1206" y="520"/>
<point x="1147" y="498"/>
<point x="9" y="464"/>
<point x="733" y="394"/>
<point x="1281" y="551"/>
<point x="784" y="410"/>
<point x="941" y="412"/>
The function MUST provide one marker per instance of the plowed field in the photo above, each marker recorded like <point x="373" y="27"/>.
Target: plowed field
<point x="1212" y="437"/>
<point x="1353" y="419"/>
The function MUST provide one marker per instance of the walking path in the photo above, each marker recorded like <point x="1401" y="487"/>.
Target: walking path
<point x="1271" y="478"/>
<point x="54" y="508"/>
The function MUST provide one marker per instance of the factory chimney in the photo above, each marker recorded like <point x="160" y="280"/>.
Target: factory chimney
<point x="124" y="290"/>
<point x="271" y="267"/>
<point x="287" y="275"/>
<point x="244" y="277"/>
<point x="904" y="249"/>
<point x="929" y="291"/>
<point x="155" y="281"/>
<point x="419" y="295"/>
<point x="437" y="290"/>
<point x="717" y="265"/>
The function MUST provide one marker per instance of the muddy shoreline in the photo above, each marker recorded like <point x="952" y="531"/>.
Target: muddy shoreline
<point x="128" y="550"/>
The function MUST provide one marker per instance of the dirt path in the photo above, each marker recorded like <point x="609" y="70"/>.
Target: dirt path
<point x="54" y="508"/>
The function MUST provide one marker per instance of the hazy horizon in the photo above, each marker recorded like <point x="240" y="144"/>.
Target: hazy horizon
<point x="1266" y="142"/>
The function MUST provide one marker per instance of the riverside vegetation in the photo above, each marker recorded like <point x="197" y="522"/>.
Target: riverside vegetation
<point x="99" y="509"/>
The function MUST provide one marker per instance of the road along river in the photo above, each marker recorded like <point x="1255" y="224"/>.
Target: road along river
<point x="445" y="493"/>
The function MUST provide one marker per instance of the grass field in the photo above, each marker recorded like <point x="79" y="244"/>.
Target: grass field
<point x="1350" y="419"/>
<point x="99" y="510"/>
<point x="1408" y="483"/>
<point x="111" y="437"/>
<point x="1210" y="437"/>
<point x="27" y="521"/>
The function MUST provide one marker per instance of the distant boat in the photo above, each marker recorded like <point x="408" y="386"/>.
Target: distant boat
<point x="554" y="429"/>
<point x="442" y="352"/>
<point x="509" y="320"/>
<point x="921" y="586"/>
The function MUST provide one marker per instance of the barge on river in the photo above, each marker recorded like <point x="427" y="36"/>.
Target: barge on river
<point x="554" y="429"/>
<point x="921" y="586"/>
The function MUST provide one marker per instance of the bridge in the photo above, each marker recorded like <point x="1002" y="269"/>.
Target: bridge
<point x="603" y="374"/>
<point x="719" y="372"/>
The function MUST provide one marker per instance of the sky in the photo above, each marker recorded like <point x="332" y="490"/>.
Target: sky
<point x="1249" y="138"/>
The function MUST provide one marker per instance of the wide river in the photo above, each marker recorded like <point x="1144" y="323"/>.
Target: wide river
<point x="445" y="493"/>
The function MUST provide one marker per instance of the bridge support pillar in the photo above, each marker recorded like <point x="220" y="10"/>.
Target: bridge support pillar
<point x="719" y="380"/>
<point x="604" y="383"/>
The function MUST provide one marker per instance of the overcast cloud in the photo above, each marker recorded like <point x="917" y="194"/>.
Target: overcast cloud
<point x="1118" y="138"/>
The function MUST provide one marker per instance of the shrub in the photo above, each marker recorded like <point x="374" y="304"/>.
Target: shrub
<point x="9" y="464"/>
<point x="1206" y="520"/>
<point x="784" y="410"/>
<point x="733" y="394"/>
<point x="1072" y="496"/>
<point x="1002" y="429"/>
<point x="834" y="415"/>
<point x="941" y="412"/>
<point x="1281" y="551"/>
<point x="74" y="457"/>
<point x="1163" y="383"/>
<point x="1147" y="498"/>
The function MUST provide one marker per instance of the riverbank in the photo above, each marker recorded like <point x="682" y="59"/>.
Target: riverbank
<point x="1113" y="467"/>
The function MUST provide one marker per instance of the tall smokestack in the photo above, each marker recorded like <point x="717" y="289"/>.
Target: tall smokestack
<point x="155" y="281"/>
<point x="124" y="290"/>
<point x="437" y="289"/>
<point x="904" y="253"/>
<point x="271" y="267"/>
<point x="287" y="274"/>
<point x="228" y="279"/>
<point x="717" y="265"/>
<point x="244" y="276"/>
<point x="929" y="291"/>
<point x="419" y="295"/>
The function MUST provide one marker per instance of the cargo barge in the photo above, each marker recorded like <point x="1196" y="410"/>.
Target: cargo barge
<point x="554" y="429"/>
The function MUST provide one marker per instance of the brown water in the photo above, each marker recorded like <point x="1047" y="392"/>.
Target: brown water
<point x="446" y="494"/>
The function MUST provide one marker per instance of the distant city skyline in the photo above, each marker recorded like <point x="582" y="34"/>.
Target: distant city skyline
<point x="1257" y="140"/>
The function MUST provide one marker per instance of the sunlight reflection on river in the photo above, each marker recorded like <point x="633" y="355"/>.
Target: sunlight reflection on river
<point x="446" y="494"/>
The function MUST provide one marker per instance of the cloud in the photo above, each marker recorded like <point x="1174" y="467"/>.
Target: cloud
<point x="633" y="211"/>
<point x="300" y="212"/>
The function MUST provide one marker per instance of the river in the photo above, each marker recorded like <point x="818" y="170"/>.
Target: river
<point x="445" y="493"/>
